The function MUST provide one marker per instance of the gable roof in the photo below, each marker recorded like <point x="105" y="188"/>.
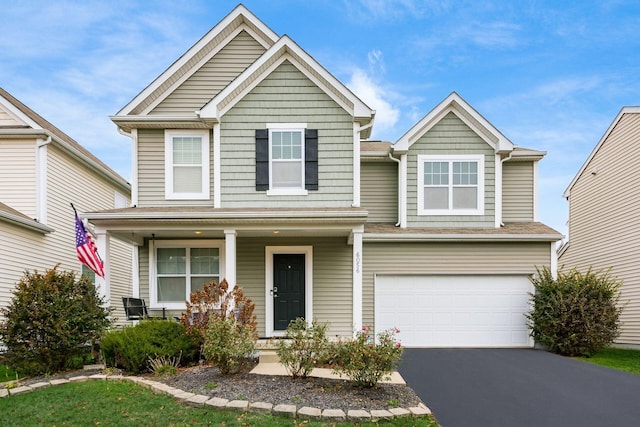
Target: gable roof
<point x="35" y="125"/>
<point x="239" y="19"/>
<point x="465" y="112"/>
<point x="15" y="217"/>
<point x="286" y="49"/>
<point x="623" y="111"/>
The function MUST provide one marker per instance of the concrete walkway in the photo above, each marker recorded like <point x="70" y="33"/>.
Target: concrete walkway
<point x="274" y="368"/>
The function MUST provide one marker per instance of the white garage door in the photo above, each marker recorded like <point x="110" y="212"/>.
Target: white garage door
<point x="454" y="311"/>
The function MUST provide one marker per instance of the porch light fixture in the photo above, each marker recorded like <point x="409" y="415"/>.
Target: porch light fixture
<point x="197" y="233"/>
<point x="276" y="232"/>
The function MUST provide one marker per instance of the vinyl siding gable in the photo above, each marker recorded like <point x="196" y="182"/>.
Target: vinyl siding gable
<point x="286" y="96"/>
<point x="451" y="136"/>
<point x="212" y="77"/>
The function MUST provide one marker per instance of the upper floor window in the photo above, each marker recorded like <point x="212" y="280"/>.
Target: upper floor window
<point x="186" y="164"/>
<point x="286" y="159"/>
<point x="450" y="185"/>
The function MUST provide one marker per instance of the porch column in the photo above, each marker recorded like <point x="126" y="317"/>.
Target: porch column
<point x="357" y="278"/>
<point x="103" y="243"/>
<point x="230" y="257"/>
<point x="135" y="271"/>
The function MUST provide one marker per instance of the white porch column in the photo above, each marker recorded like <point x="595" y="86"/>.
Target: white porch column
<point x="135" y="271"/>
<point x="103" y="243"/>
<point x="230" y="257"/>
<point x="357" y="278"/>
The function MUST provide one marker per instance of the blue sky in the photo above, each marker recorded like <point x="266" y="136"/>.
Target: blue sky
<point x="550" y="75"/>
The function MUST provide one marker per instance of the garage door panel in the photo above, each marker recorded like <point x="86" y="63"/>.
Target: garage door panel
<point x="454" y="311"/>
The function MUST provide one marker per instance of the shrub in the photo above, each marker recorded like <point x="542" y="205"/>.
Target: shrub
<point x="133" y="347"/>
<point x="364" y="361"/>
<point x="576" y="314"/>
<point x="214" y="300"/>
<point x="51" y="321"/>
<point x="229" y="344"/>
<point x="304" y="347"/>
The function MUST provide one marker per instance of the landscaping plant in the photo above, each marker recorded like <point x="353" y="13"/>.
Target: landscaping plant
<point x="229" y="344"/>
<point x="215" y="300"/>
<point x="304" y="346"/>
<point x="51" y="322"/>
<point x="365" y="361"/>
<point x="134" y="347"/>
<point x="576" y="314"/>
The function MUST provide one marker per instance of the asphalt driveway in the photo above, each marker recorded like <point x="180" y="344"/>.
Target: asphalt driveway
<point x="520" y="387"/>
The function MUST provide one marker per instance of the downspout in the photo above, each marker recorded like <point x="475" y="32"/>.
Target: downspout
<point x="399" y="191"/>
<point x="357" y="131"/>
<point x="134" y="164"/>
<point x="501" y="184"/>
<point x="41" y="180"/>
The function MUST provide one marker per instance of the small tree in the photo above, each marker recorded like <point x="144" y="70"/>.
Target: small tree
<point x="51" y="317"/>
<point x="576" y="314"/>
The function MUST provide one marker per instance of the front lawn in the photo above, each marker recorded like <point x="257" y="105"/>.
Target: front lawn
<point x="617" y="358"/>
<point x="120" y="403"/>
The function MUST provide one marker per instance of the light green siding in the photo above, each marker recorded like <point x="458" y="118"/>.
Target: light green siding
<point x="379" y="191"/>
<point x="446" y="258"/>
<point x="451" y="136"/>
<point x="517" y="191"/>
<point x="332" y="278"/>
<point x="212" y="77"/>
<point x="287" y="96"/>
<point x="151" y="172"/>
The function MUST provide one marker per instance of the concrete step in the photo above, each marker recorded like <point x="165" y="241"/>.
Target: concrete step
<point x="269" y="356"/>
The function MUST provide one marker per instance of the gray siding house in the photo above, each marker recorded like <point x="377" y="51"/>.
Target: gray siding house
<point x="42" y="171"/>
<point x="253" y="163"/>
<point x="604" y="223"/>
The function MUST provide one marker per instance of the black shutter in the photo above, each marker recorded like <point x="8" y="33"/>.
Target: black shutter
<point x="262" y="159"/>
<point x="311" y="159"/>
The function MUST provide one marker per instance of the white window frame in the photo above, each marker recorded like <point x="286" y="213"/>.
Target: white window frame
<point x="169" y="134"/>
<point x="153" y="269"/>
<point x="287" y="127"/>
<point x="479" y="159"/>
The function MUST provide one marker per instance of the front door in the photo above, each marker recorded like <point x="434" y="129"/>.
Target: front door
<point x="288" y="289"/>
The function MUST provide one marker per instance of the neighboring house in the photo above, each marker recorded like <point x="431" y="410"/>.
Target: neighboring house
<point x="251" y="163"/>
<point x="604" y="224"/>
<point x="43" y="171"/>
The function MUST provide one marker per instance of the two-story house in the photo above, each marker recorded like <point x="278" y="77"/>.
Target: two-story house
<point x="604" y="227"/>
<point x="43" y="171"/>
<point x="251" y="163"/>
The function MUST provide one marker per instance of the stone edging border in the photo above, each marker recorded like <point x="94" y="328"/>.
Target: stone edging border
<point x="200" y="400"/>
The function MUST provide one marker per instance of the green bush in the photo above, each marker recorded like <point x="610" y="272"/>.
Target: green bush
<point x="229" y="344"/>
<point x="133" y="347"/>
<point x="364" y="361"/>
<point x="51" y="322"/>
<point x="303" y="348"/>
<point x="576" y="314"/>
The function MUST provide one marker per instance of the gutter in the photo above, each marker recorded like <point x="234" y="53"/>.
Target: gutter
<point x="400" y="205"/>
<point x="26" y="223"/>
<point x="393" y="237"/>
<point x="227" y="215"/>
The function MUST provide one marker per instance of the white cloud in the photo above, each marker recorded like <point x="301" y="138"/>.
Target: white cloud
<point x="376" y="97"/>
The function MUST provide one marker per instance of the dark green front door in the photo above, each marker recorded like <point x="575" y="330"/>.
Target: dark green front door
<point x="288" y="284"/>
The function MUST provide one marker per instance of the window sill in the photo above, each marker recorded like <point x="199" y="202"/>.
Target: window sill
<point x="167" y="306"/>
<point x="287" y="192"/>
<point x="445" y="212"/>
<point x="189" y="196"/>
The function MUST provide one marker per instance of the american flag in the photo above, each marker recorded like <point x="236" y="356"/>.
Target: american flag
<point x="86" y="249"/>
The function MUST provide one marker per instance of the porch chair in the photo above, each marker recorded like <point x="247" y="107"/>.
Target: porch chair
<point x="135" y="308"/>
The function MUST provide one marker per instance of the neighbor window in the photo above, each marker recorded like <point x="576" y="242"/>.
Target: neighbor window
<point x="186" y="164"/>
<point x="450" y="185"/>
<point x="182" y="268"/>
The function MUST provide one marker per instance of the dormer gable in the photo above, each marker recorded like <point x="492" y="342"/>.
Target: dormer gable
<point x="237" y="21"/>
<point x="455" y="104"/>
<point x="286" y="50"/>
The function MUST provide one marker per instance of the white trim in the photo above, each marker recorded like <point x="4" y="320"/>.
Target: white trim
<point x="153" y="273"/>
<point x="240" y="10"/>
<point x="421" y="211"/>
<point x="357" y="279"/>
<point x="103" y="244"/>
<point x="134" y="167"/>
<point x="535" y="191"/>
<point x="308" y="283"/>
<point x="217" y="173"/>
<point x="288" y="127"/>
<point x="554" y="260"/>
<point x="498" y="191"/>
<point x="135" y="272"/>
<point x="41" y="179"/>
<point x="169" y="194"/>
<point x="403" y="191"/>
<point x="287" y="191"/>
<point x="230" y="257"/>
<point x="356" y="165"/>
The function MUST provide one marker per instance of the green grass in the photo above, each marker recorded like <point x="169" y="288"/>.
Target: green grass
<point x="617" y="358"/>
<point x="121" y="403"/>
